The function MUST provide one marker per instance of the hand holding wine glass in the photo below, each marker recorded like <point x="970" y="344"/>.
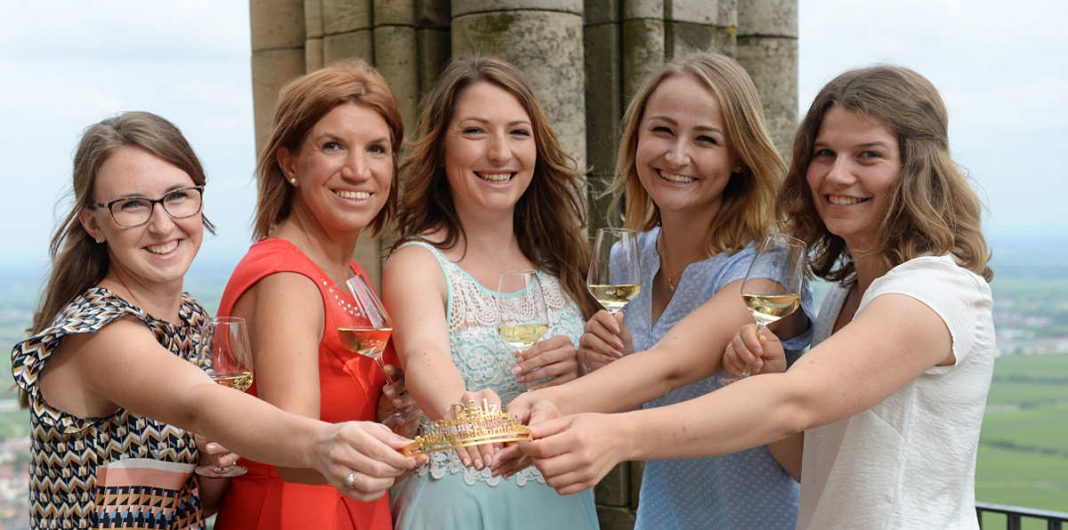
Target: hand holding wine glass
<point x="523" y="317"/>
<point x="772" y="286"/>
<point x="226" y="355"/>
<point x="615" y="276"/>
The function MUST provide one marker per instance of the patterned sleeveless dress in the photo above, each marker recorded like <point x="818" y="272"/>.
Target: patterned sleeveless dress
<point x="444" y="494"/>
<point x="118" y="471"/>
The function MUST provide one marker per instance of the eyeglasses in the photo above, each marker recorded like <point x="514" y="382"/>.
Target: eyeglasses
<point x="132" y="212"/>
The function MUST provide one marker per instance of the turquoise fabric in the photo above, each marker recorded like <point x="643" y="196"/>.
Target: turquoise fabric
<point x="444" y="494"/>
<point x="745" y="490"/>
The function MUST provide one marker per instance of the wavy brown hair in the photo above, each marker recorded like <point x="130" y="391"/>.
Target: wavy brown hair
<point x="932" y="208"/>
<point x="749" y="197"/>
<point x="78" y="261"/>
<point x="301" y="104"/>
<point x="549" y="217"/>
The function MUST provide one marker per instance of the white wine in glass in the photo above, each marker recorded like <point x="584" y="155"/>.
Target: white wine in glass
<point x="615" y="276"/>
<point x="363" y="324"/>
<point x="772" y="286"/>
<point x="226" y="355"/>
<point x="522" y="315"/>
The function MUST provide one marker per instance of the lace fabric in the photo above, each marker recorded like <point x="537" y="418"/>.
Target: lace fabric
<point x="483" y="358"/>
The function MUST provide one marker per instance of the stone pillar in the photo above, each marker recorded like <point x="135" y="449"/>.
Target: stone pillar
<point x="700" y="25"/>
<point x="432" y="18"/>
<point x="347" y="30"/>
<point x="543" y="38"/>
<point x="767" y="49"/>
<point x="313" y="30"/>
<point x="643" y="43"/>
<point x="277" y="32"/>
<point x="602" y="36"/>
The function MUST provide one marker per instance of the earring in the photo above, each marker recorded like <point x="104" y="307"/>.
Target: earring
<point x="293" y="181"/>
<point x="100" y="240"/>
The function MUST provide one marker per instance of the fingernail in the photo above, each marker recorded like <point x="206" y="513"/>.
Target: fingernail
<point x="478" y="464"/>
<point x="517" y="370"/>
<point x="467" y="462"/>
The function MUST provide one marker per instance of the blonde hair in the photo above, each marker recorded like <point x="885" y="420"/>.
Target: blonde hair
<point x="932" y="208"/>
<point x="749" y="196"/>
<point x="549" y="217"/>
<point x="301" y="104"/>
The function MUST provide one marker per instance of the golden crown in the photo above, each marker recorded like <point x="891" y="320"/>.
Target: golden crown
<point x="471" y="424"/>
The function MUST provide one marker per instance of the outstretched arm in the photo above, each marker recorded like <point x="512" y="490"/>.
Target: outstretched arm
<point x="892" y="342"/>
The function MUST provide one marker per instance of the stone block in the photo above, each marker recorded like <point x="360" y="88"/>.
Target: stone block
<point x="345" y="16"/>
<point x="276" y="24"/>
<point x="470" y="7"/>
<point x="601" y="11"/>
<point x="614" y="488"/>
<point x="432" y="14"/>
<point x="353" y="44"/>
<point x="682" y="38"/>
<point x="549" y="53"/>
<point x="615" y="518"/>
<point x="396" y="53"/>
<point x="394" y="12"/>
<point x="772" y="63"/>
<point x="643" y="52"/>
<point x="776" y="18"/>
<point x="433" y="55"/>
<point x="715" y="12"/>
<point x="271" y="69"/>
<point x="636" y="9"/>
<point x="313" y="54"/>
<point x="313" y="18"/>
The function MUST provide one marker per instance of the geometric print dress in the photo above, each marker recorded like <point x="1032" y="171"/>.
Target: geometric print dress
<point x="118" y="471"/>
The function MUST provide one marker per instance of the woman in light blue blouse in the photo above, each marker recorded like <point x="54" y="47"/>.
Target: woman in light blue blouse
<point x="699" y="175"/>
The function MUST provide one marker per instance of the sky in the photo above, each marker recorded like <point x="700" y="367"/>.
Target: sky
<point x="1001" y="67"/>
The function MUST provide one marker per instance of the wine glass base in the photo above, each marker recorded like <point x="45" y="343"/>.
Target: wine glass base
<point x="221" y="472"/>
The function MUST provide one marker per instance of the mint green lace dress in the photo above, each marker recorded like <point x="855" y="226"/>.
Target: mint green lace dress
<point x="444" y="494"/>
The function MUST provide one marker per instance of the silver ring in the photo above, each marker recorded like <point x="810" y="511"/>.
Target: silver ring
<point x="350" y="480"/>
<point x="745" y="372"/>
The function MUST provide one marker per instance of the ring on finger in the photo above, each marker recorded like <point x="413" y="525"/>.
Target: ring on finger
<point x="350" y="480"/>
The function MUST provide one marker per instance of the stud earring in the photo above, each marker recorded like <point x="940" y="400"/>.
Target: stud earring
<point x="100" y="240"/>
<point x="293" y="181"/>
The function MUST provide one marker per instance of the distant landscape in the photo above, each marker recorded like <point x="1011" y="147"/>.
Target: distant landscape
<point x="1023" y="454"/>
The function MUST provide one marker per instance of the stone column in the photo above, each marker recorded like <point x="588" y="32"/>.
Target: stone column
<point x="767" y="49"/>
<point x="432" y="18"/>
<point x="643" y="43"/>
<point x="347" y="30"/>
<point x="602" y="36"/>
<point x="700" y="25"/>
<point x="543" y="38"/>
<point x="313" y="30"/>
<point x="277" y="31"/>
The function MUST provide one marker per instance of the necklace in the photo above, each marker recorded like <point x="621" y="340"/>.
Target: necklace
<point x="672" y="283"/>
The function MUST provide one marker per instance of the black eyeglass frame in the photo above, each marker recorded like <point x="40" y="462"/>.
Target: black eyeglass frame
<point x="153" y="202"/>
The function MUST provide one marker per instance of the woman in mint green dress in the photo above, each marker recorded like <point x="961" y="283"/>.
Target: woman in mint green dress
<point x="488" y="189"/>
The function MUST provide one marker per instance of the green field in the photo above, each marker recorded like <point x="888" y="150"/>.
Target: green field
<point x="1023" y="449"/>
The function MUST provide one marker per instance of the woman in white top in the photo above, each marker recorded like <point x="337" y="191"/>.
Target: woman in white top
<point x="892" y="398"/>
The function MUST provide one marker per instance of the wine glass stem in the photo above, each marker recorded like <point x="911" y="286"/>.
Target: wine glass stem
<point x="389" y="380"/>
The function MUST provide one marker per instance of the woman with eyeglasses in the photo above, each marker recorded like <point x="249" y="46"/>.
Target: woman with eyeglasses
<point x="113" y="394"/>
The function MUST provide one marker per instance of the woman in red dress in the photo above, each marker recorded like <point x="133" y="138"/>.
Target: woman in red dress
<point x="325" y="175"/>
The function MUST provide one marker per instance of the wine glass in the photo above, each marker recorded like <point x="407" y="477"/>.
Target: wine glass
<point x="772" y="286"/>
<point x="523" y="317"/>
<point x="363" y="325"/>
<point x="615" y="276"/>
<point x="226" y="355"/>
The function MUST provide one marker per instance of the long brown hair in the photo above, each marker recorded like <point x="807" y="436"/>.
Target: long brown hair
<point x="301" y="104"/>
<point x="749" y="197"/>
<point x="78" y="261"/>
<point x="549" y="217"/>
<point x="932" y="208"/>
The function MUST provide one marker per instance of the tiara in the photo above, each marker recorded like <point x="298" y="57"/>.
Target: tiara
<point x="471" y="424"/>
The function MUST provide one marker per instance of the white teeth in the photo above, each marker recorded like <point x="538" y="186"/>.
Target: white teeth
<point x="354" y="195"/>
<point x="163" y="248"/>
<point x="494" y="177"/>
<point x="843" y="200"/>
<point x="675" y="177"/>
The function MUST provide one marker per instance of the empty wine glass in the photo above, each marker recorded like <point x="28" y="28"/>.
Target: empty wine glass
<point x="772" y="286"/>
<point x="226" y="355"/>
<point x="522" y="315"/>
<point x="615" y="276"/>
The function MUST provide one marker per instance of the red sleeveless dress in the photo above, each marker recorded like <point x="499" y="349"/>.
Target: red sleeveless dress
<point x="349" y="385"/>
